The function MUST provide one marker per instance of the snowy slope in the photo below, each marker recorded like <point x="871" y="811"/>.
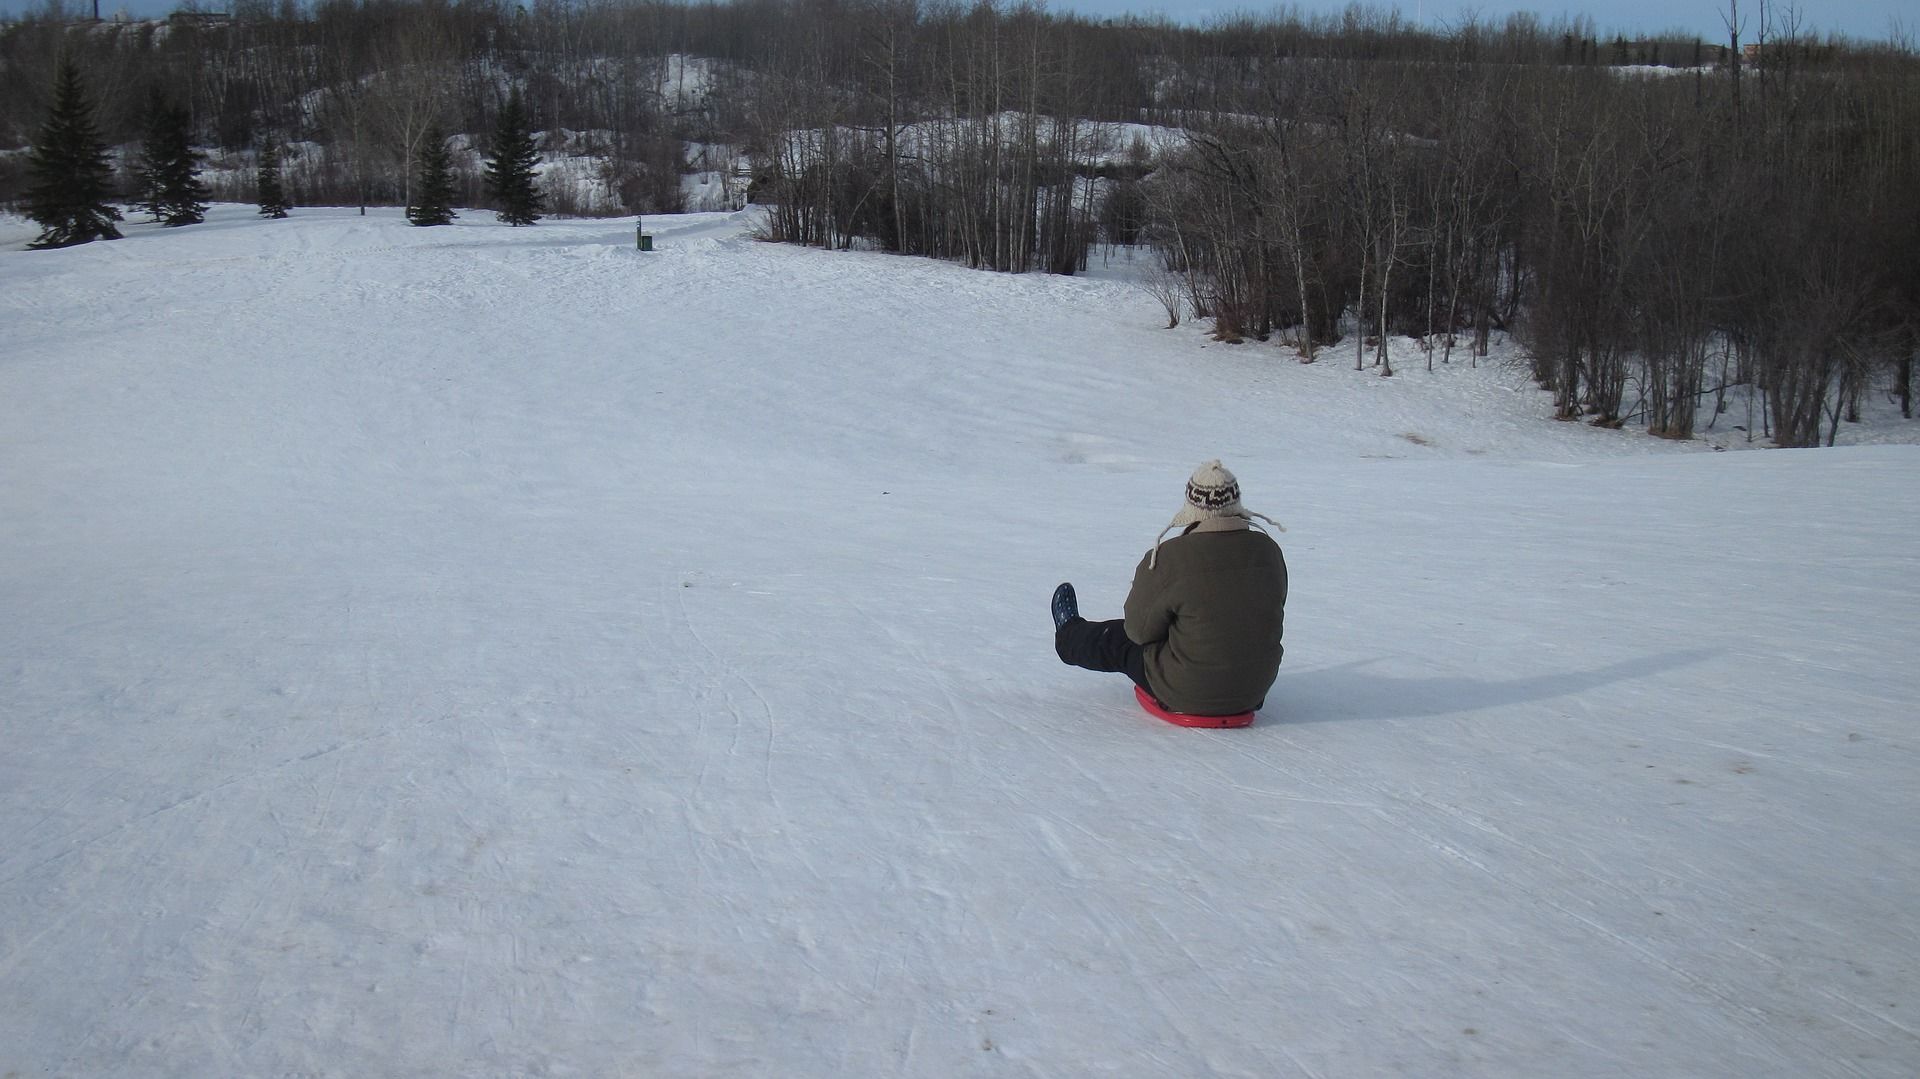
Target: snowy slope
<point x="480" y="651"/>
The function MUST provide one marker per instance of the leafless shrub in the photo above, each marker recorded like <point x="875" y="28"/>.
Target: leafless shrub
<point x="1167" y="288"/>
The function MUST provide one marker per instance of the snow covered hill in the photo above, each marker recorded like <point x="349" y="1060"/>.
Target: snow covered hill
<point x="488" y="651"/>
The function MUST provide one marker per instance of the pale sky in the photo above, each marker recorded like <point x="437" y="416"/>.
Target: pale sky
<point x="1870" y="19"/>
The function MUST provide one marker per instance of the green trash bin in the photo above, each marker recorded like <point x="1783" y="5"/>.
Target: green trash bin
<point x="641" y="237"/>
<point x="646" y="242"/>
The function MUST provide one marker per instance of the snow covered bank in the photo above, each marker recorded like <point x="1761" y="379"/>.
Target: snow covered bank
<point x="491" y="651"/>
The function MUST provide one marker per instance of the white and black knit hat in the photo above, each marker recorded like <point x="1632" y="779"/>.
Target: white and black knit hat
<point x="1212" y="491"/>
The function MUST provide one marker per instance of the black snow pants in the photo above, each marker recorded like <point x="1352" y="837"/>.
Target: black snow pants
<point x="1101" y="646"/>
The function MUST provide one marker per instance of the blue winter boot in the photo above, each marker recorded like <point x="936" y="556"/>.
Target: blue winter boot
<point x="1066" y="606"/>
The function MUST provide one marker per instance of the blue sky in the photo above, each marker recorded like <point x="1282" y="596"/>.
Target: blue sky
<point x="1856" y="18"/>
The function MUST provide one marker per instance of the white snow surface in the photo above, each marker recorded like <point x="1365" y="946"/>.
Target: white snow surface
<point x="488" y="651"/>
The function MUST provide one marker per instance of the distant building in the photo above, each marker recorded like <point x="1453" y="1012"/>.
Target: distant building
<point x="200" y="18"/>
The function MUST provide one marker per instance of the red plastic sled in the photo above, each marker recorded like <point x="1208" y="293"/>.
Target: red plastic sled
<point x="1182" y="719"/>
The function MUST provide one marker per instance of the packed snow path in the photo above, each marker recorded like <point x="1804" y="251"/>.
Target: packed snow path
<point x="479" y="651"/>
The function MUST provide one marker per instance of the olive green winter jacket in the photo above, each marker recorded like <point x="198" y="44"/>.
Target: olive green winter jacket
<point x="1208" y="613"/>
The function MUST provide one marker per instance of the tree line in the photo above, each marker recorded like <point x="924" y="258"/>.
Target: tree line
<point x="71" y="192"/>
<point x="1653" y="240"/>
<point x="1658" y="219"/>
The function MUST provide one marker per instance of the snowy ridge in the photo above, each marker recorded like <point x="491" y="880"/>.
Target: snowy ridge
<point x="478" y="650"/>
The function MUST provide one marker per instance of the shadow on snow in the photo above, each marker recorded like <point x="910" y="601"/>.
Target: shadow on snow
<point x="1346" y="692"/>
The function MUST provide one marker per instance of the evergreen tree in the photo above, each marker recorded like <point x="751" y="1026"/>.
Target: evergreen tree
<point x="434" y="204"/>
<point x="170" y="187"/>
<point x="510" y="177"/>
<point x="72" y="178"/>
<point x="146" y="171"/>
<point x="273" y="196"/>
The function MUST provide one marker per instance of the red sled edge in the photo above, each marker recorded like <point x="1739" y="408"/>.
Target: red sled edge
<point x="1182" y="719"/>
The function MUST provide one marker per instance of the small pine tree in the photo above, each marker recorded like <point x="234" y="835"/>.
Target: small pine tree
<point x="273" y="195"/>
<point x="72" y="178"/>
<point x="434" y="206"/>
<point x="146" y="172"/>
<point x="170" y="187"/>
<point x="510" y="176"/>
<point x="186" y="196"/>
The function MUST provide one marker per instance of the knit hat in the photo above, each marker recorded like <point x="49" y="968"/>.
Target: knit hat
<point x="1212" y="491"/>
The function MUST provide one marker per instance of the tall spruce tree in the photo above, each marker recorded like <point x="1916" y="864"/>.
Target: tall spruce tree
<point x="510" y="176"/>
<point x="273" y="194"/>
<point x="72" y="178"/>
<point x="433" y="204"/>
<point x="170" y="187"/>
